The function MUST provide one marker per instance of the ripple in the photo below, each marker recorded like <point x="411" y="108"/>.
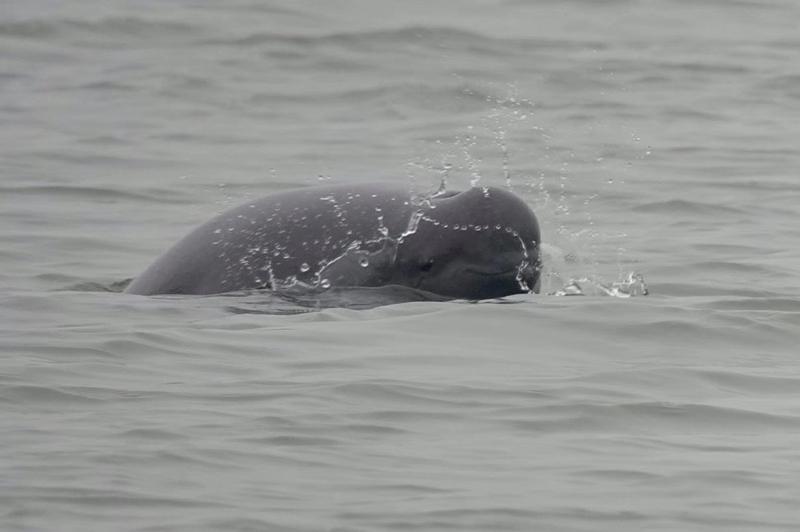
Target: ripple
<point x="103" y="194"/>
<point x="295" y="441"/>
<point x="774" y="304"/>
<point x="681" y="206"/>
<point x="109" y="27"/>
<point x="42" y="394"/>
<point x="92" y="498"/>
<point x="654" y="417"/>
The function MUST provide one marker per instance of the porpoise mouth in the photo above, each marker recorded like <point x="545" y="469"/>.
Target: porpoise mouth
<point x="492" y="273"/>
<point x="524" y="274"/>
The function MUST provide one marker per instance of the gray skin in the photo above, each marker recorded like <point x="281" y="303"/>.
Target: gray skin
<point x="478" y="244"/>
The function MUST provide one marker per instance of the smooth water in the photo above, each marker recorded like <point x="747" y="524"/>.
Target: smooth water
<point x="650" y="136"/>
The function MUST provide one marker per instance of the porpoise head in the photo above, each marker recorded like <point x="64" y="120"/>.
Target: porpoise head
<point x="478" y="244"/>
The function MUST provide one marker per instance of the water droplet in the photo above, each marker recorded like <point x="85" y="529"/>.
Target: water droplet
<point x="304" y="267"/>
<point x="325" y="283"/>
<point x="363" y="262"/>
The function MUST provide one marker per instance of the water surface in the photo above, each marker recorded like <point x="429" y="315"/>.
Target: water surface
<point x="650" y="136"/>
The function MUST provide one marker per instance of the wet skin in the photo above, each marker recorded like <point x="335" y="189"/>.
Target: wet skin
<point x="477" y="244"/>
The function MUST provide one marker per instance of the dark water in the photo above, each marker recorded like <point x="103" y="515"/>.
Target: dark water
<point x="650" y="136"/>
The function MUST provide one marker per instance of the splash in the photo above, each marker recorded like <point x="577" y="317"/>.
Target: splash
<point x="631" y="285"/>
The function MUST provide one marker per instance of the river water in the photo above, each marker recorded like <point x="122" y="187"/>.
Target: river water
<point x="654" y="137"/>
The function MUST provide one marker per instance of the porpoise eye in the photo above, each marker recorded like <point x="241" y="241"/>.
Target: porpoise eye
<point x="426" y="266"/>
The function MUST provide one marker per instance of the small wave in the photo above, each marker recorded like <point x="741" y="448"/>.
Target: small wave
<point x="427" y="38"/>
<point x="489" y="517"/>
<point x="721" y="266"/>
<point x="394" y="392"/>
<point x="295" y="441"/>
<point x="653" y="417"/>
<point x="141" y="28"/>
<point x="752" y="384"/>
<point x="749" y="185"/>
<point x="703" y="382"/>
<point x="773" y="304"/>
<point x="691" y="113"/>
<point x="403" y="489"/>
<point x="363" y="40"/>
<point x="395" y="99"/>
<point x="681" y="206"/>
<point x="92" y="286"/>
<point x="42" y="394"/>
<point x="151" y="434"/>
<point x="689" y="289"/>
<point x="785" y="44"/>
<point x="241" y="524"/>
<point x="704" y="68"/>
<point x="102" y="194"/>
<point x="299" y="300"/>
<point x="104" y="86"/>
<point x="373" y="430"/>
<point x="106" y="498"/>
<point x="785" y="85"/>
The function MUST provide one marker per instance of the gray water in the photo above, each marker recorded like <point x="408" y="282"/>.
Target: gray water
<point x="650" y="136"/>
